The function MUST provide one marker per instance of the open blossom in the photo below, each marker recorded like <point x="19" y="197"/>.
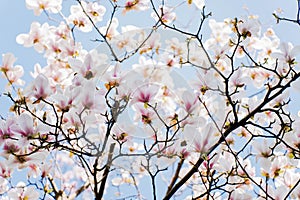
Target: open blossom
<point x="287" y="53"/>
<point x="200" y="139"/>
<point x="6" y="170"/>
<point x="12" y="73"/>
<point x="263" y="148"/>
<point x="166" y="15"/>
<point x="110" y="30"/>
<point x="38" y="6"/>
<point x="65" y="99"/>
<point x="6" y="129"/>
<point x="220" y="33"/>
<point x="10" y="147"/>
<point x="145" y="94"/>
<point x="151" y="44"/>
<point x="79" y="19"/>
<point x="93" y="65"/>
<point x="37" y="37"/>
<point x="249" y="26"/>
<point x="90" y="97"/>
<point x="139" y="5"/>
<point x="206" y="138"/>
<point x="140" y="105"/>
<point x="190" y="101"/>
<point x="25" y="126"/>
<point x="113" y="77"/>
<point x="40" y="88"/>
<point x="128" y="38"/>
<point x="8" y="60"/>
<point x="23" y="192"/>
<point x="267" y="44"/>
<point x="94" y="10"/>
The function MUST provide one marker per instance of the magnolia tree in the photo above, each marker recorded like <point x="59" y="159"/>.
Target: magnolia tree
<point x="156" y="112"/>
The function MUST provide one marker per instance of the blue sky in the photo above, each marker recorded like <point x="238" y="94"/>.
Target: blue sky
<point x="16" y="19"/>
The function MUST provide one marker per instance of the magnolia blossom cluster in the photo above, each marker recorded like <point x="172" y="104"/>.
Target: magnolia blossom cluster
<point x="146" y="102"/>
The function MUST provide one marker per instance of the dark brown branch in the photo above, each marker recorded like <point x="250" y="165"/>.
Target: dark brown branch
<point x="230" y="129"/>
<point x="106" y="172"/>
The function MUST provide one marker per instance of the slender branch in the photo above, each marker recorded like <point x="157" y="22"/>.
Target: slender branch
<point x="176" y="175"/>
<point x="230" y="129"/>
<point x="106" y="172"/>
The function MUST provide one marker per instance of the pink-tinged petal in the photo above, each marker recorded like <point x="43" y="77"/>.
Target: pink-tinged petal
<point x="190" y="101"/>
<point x="295" y="51"/>
<point x="41" y="88"/>
<point x="88" y="62"/>
<point x="145" y="94"/>
<point x="8" y="60"/>
<point x="87" y="97"/>
<point x="26" y="124"/>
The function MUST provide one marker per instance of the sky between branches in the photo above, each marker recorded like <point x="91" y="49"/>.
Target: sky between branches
<point x="16" y="19"/>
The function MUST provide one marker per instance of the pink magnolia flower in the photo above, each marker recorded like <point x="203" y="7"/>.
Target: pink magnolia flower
<point x="6" y="129"/>
<point x="6" y="170"/>
<point x="21" y="191"/>
<point x="287" y="53"/>
<point x="89" y="67"/>
<point x="113" y="77"/>
<point x="110" y="30"/>
<point x="274" y="167"/>
<point x="249" y="27"/>
<point x="144" y="114"/>
<point x="138" y="5"/>
<point x="267" y="45"/>
<point x="94" y="10"/>
<point x="25" y="126"/>
<point x="122" y="133"/>
<point x="65" y="99"/>
<point x="200" y="140"/>
<point x="190" y="101"/>
<point x="262" y="148"/>
<point x="220" y="33"/>
<point x="145" y="94"/>
<point x="63" y="31"/>
<point x="12" y="73"/>
<point x="9" y="148"/>
<point x="205" y="138"/>
<point x="90" y="97"/>
<point x="87" y="96"/>
<point x="37" y="37"/>
<point x="127" y="40"/>
<point x="8" y="60"/>
<point x="40" y="87"/>
<point x="38" y="6"/>
<point x="21" y="162"/>
<point x="205" y="82"/>
<point x="53" y="48"/>
<point x="79" y="19"/>
<point x="71" y="119"/>
<point x="151" y="44"/>
<point x="166" y="14"/>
